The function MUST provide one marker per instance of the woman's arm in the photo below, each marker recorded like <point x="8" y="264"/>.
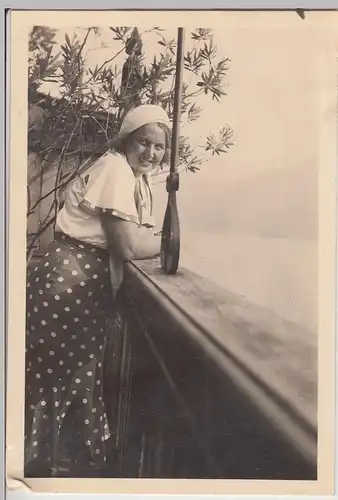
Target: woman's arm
<point x="128" y="241"/>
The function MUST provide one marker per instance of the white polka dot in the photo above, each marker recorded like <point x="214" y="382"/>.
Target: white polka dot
<point x="45" y="417"/>
<point x="69" y="290"/>
<point x="95" y="276"/>
<point x="67" y="309"/>
<point x="55" y="389"/>
<point x="66" y="261"/>
<point x="36" y="268"/>
<point x="68" y="403"/>
<point x="58" y="418"/>
<point x="99" y="260"/>
<point x="82" y="346"/>
<point x="77" y="381"/>
<point x="45" y="304"/>
<point x="37" y="279"/>
<point x="85" y="400"/>
<point x="55" y="316"/>
<point x="71" y="354"/>
<point x="94" y="410"/>
<point x="86" y="421"/>
<point x="91" y="356"/>
<point x="46" y="264"/>
<point x="96" y="431"/>
<point x="31" y="407"/>
<point x="82" y="283"/>
<point x="61" y="279"/>
<point x="98" y="382"/>
<point x="94" y="321"/>
<point x="49" y="370"/>
<point x="51" y="353"/>
<point x="57" y="297"/>
<point x="68" y="371"/>
<point x="34" y="431"/>
<point x="90" y="294"/>
<point x="74" y="337"/>
<point x="48" y="285"/>
<point x="79" y="256"/>
<point x="43" y="322"/>
<point x="86" y="311"/>
<point x="74" y="392"/>
<point x="80" y="363"/>
<point x="58" y="250"/>
<point x="81" y="246"/>
<point x="94" y="338"/>
<point x="99" y="364"/>
<point x="38" y="375"/>
<point x="41" y="292"/>
<point x="53" y="334"/>
<point x="63" y="344"/>
<point x="85" y="328"/>
<point x="88" y="442"/>
<point x="87" y="266"/>
<point x="64" y="327"/>
<point x="89" y="374"/>
<point x="78" y="301"/>
<point x="28" y="284"/>
<point x="56" y="403"/>
<point x="41" y="341"/>
<point x="74" y="273"/>
<point x="76" y="320"/>
<point x="35" y="309"/>
<point x="97" y="451"/>
<point x="31" y="296"/>
<point x="61" y="362"/>
<point x="48" y="275"/>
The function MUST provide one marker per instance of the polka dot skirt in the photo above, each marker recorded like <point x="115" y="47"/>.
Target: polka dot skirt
<point x="68" y="299"/>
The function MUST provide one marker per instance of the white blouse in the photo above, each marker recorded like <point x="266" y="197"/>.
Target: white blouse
<point x="109" y="185"/>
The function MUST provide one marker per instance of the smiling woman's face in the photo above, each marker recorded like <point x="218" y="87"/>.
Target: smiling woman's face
<point x="146" y="147"/>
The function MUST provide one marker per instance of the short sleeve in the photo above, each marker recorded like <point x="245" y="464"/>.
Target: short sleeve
<point x="109" y="186"/>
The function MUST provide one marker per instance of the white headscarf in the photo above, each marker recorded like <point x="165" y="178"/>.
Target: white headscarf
<point x="143" y="115"/>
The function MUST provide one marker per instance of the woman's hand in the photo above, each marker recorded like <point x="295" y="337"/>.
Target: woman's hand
<point x="128" y="241"/>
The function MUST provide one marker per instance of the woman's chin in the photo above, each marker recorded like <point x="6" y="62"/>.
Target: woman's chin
<point x="144" y="168"/>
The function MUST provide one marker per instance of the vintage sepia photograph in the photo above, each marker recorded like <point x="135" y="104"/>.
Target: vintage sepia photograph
<point x="172" y="289"/>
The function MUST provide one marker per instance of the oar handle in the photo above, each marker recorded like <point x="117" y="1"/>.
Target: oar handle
<point x="170" y="243"/>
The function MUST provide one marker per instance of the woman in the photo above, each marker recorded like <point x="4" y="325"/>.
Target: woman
<point x="106" y="220"/>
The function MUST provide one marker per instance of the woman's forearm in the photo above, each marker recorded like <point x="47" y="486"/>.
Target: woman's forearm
<point x="147" y="247"/>
<point x="128" y="242"/>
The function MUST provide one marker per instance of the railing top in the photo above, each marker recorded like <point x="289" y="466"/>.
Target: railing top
<point x="276" y="351"/>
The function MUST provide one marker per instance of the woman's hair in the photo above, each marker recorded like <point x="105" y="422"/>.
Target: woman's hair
<point x="119" y="144"/>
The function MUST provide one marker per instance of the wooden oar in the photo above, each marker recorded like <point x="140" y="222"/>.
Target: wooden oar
<point x="170" y="244"/>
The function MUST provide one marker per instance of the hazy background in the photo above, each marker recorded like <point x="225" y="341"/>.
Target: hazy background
<point x="249" y="218"/>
